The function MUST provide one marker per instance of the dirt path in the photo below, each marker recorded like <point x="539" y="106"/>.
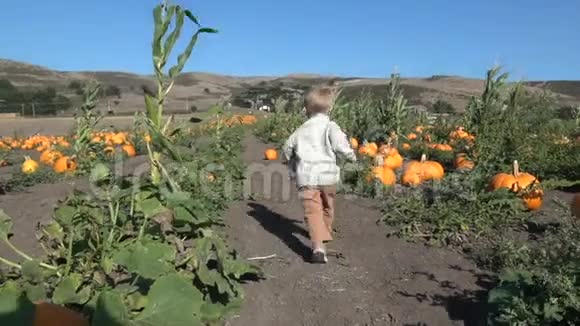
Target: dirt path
<point x="372" y="280"/>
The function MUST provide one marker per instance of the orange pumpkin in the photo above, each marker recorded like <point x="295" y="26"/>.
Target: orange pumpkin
<point x="458" y="133"/>
<point x="412" y="136"/>
<point x="575" y="205"/>
<point x="515" y="181"/>
<point x="118" y="138"/>
<point x="441" y="147"/>
<point x="129" y="150"/>
<point x="65" y="164"/>
<point x="385" y="175"/>
<point x="48" y="314"/>
<point x="406" y="146"/>
<point x="354" y="143"/>
<point x="533" y="199"/>
<point x="461" y="162"/>
<point x="49" y="156"/>
<point x="369" y="149"/>
<point x="271" y="154"/>
<point x="391" y="157"/>
<point x="416" y="172"/>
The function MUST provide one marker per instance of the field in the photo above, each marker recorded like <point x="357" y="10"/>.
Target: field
<point x="467" y="218"/>
<point x="435" y="251"/>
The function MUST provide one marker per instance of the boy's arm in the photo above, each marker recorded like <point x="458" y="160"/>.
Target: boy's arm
<point x="289" y="146"/>
<point x="340" y="143"/>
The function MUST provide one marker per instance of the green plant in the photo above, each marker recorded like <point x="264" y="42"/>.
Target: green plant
<point x="540" y="283"/>
<point x="85" y="125"/>
<point x="452" y="211"/>
<point x="163" y="44"/>
<point x="277" y="127"/>
<point x="19" y="181"/>
<point x="371" y="119"/>
<point x="145" y="250"/>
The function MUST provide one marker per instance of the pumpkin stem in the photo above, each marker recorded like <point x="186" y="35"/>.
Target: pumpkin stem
<point x="516" y="168"/>
<point x="379" y="161"/>
<point x="423" y="157"/>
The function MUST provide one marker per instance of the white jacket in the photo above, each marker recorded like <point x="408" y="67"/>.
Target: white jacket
<point x="311" y="151"/>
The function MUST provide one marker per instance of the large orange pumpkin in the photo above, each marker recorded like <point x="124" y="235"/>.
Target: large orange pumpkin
<point x="575" y="205"/>
<point x="515" y="181"/>
<point x="65" y="164"/>
<point x="48" y="314"/>
<point x="520" y="183"/>
<point x="271" y="154"/>
<point x="416" y="172"/>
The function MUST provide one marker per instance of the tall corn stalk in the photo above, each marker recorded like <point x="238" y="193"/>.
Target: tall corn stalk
<point x="392" y="110"/>
<point x="164" y="15"/>
<point x="86" y="123"/>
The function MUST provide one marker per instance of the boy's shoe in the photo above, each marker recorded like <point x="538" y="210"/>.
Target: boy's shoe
<point x="319" y="257"/>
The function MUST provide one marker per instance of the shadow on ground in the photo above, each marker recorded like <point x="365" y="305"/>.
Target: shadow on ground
<point x="282" y="227"/>
<point x="468" y="306"/>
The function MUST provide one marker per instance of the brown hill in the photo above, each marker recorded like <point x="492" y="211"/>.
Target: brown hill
<point x="205" y="89"/>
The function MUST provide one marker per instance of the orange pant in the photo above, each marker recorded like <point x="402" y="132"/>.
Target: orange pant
<point x="319" y="211"/>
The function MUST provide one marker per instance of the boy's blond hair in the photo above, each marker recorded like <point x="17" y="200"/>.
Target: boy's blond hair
<point x="320" y="99"/>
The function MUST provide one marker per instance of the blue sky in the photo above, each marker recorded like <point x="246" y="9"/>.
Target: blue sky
<point x="533" y="39"/>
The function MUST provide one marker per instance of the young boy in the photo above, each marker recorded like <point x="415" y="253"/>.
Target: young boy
<point x="311" y="154"/>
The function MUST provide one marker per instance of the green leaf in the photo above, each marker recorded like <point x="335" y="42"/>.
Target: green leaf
<point x="213" y="311"/>
<point x="136" y="301"/>
<point x="174" y="35"/>
<point x="64" y="214"/>
<point x="178" y="198"/>
<point x="182" y="58"/>
<point x="15" y="308"/>
<point x="54" y="231"/>
<point x="553" y="312"/>
<point x="152" y="108"/>
<point x="66" y="291"/>
<point x="100" y="172"/>
<point x="192" y="17"/>
<point x="499" y="295"/>
<point x="32" y="271"/>
<point x="151" y="207"/>
<point x="172" y="301"/>
<point x="96" y="214"/>
<point x="183" y="215"/>
<point x="208" y="30"/>
<point x="35" y="293"/>
<point x="110" y="310"/>
<point x="107" y="265"/>
<point x="148" y="259"/>
<point x="5" y="225"/>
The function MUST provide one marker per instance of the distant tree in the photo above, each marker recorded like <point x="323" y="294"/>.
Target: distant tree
<point x="567" y="112"/>
<point x="206" y="90"/>
<point x="442" y="106"/>
<point x="193" y="108"/>
<point x="75" y="85"/>
<point x="112" y="90"/>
